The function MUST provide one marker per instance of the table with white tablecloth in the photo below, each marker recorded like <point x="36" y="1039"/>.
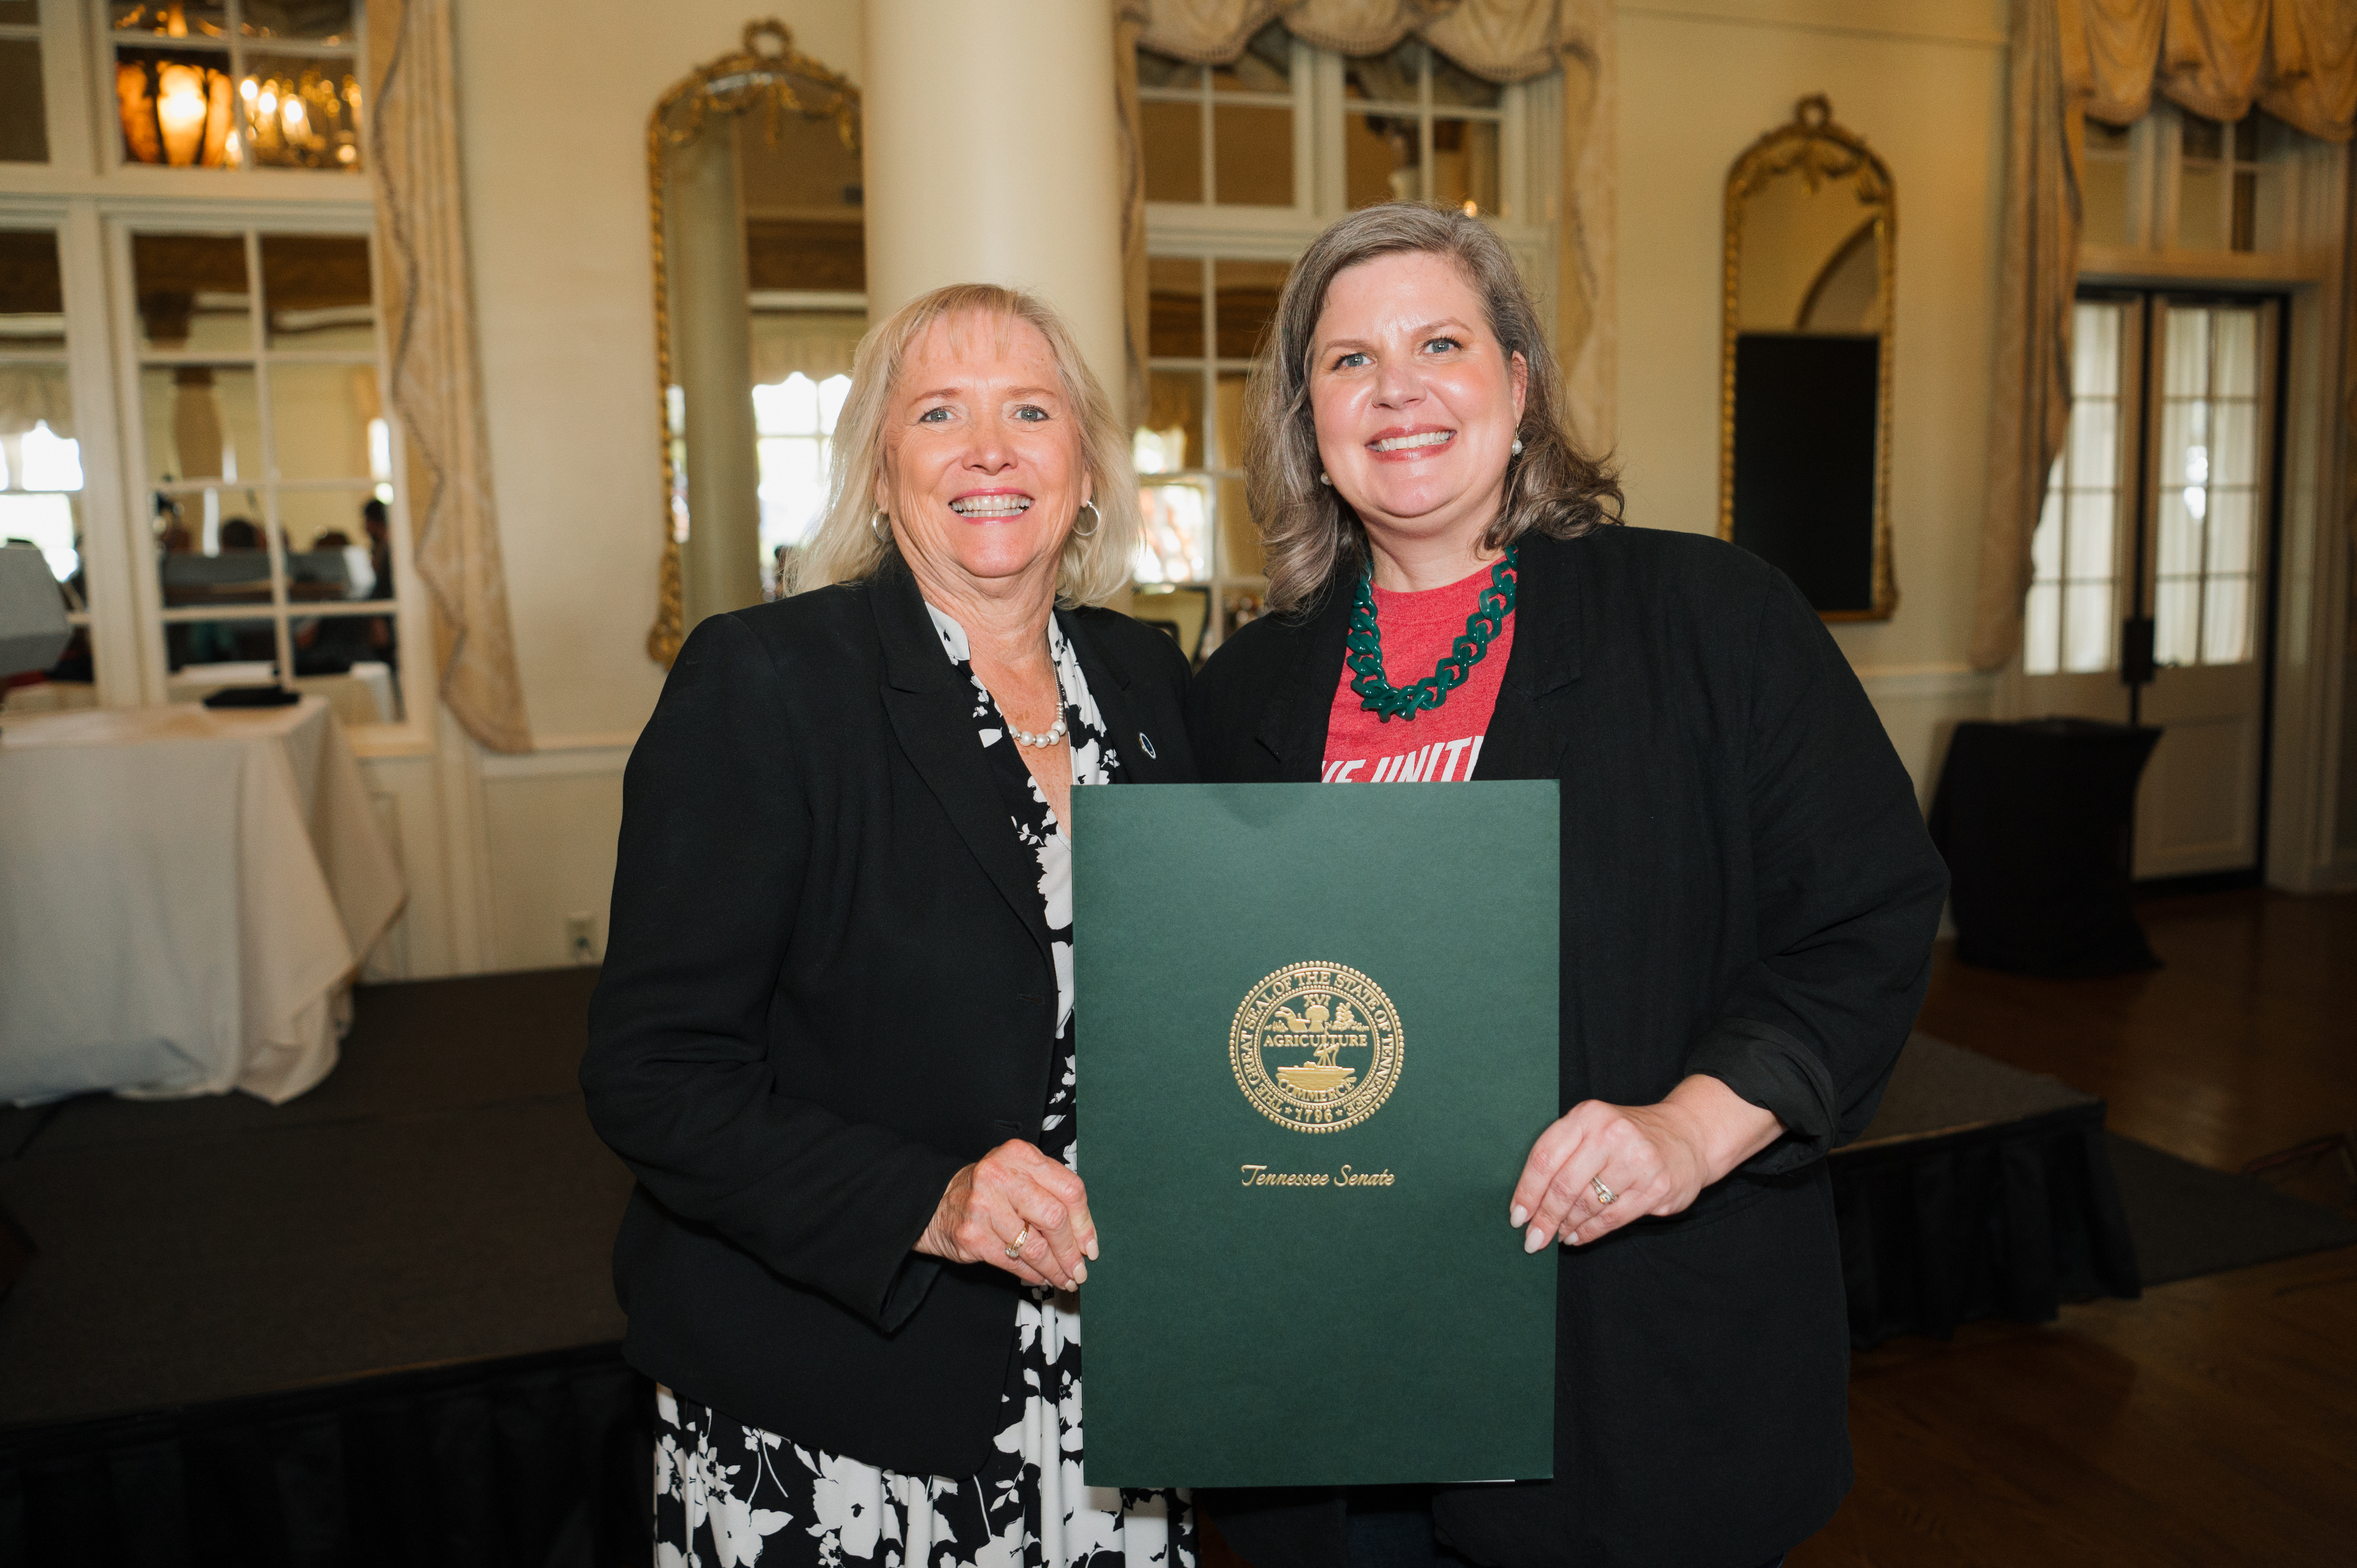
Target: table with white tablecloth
<point x="185" y="895"/>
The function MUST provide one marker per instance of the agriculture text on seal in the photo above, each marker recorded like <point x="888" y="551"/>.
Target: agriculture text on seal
<point x="1316" y="1046"/>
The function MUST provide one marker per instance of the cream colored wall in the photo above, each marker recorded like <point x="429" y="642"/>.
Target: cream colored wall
<point x="1923" y="82"/>
<point x="553" y="104"/>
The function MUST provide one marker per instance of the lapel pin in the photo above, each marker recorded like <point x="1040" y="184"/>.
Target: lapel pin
<point x="1147" y="741"/>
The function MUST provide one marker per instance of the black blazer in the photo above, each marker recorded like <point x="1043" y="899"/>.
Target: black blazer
<point x="1748" y="892"/>
<point x="828" y="987"/>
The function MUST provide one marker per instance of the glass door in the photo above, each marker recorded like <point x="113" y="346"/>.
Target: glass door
<point x="2148" y="599"/>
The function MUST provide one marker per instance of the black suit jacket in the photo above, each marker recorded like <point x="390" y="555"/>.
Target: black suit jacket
<point x="828" y="987"/>
<point x="1748" y="892"/>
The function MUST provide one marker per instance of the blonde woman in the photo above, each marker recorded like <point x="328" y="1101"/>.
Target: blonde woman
<point x="833" y="1038"/>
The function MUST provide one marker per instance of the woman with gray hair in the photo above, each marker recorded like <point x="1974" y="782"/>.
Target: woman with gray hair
<point x="834" y="1038"/>
<point x="1748" y="907"/>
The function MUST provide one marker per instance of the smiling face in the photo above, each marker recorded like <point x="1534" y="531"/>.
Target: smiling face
<point x="1415" y="399"/>
<point x="983" y="473"/>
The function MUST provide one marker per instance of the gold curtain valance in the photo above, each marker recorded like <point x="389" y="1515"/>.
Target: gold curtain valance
<point x="2073" y="59"/>
<point x="2295" y="59"/>
<point x="1499" y="40"/>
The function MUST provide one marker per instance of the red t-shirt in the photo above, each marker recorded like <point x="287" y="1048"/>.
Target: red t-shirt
<point x="1438" y="744"/>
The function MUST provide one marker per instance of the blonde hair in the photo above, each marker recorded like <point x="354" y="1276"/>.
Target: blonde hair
<point x="846" y="548"/>
<point x="1312" y="537"/>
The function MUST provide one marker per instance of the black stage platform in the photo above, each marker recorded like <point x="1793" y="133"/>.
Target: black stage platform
<point x="375" y="1325"/>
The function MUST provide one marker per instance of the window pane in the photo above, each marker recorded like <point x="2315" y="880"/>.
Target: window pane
<point x="316" y="293"/>
<point x="1174" y="422"/>
<point x="2087" y="626"/>
<point x="2176" y="611"/>
<point x="303" y="112"/>
<point x="2200" y="211"/>
<point x="1393" y="77"/>
<point x="2180" y="530"/>
<point x="2089" y="547"/>
<point x="2204" y="138"/>
<point x="2233" y="454"/>
<point x="1155" y="70"/>
<point x="353" y="662"/>
<point x="1245" y="301"/>
<point x="2187" y="362"/>
<point x="2046" y="543"/>
<point x="339" y="550"/>
<point x="2238" y="353"/>
<point x="20" y="12"/>
<point x="192" y="293"/>
<point x="1239" y="554"/>
<point x="1230" y="423"/>
<point x="222" y="653"/>
<point x="51" y="520"/>
<point x="2094" y="443"/>
<point x="315" y="21"/>
<point x="319" y="417"/>
<point x="2226" y="620"/>
<point x="1381" y="158"/>
<point x="1171" y="138"/>
<point x="1464" y="164"/>
<point x="32" y="299"/>
<point x="2104" y="199"/>
<point x="177" y="21"/>
<point x="23" y="113"/>
<point x="2230" y="531"/>
<point x="1175" y="546"/>
<point x="1453" y="85"/>
<point x="2042" y="631"/>
<point x="174" y="107"/>
<point x="1266" y="65"/>
<point x="1251" y="150"/>
<point x="794" y="476"/>
<point x="2095" y="351"/>
<point x="200" y="421"/>
<point x="1174" y="287"/>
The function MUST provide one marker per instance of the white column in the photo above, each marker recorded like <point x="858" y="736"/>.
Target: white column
<point x="992" y="156"/>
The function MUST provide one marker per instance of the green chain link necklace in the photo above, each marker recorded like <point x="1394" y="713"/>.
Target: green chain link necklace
<point x="1365" y="643"/>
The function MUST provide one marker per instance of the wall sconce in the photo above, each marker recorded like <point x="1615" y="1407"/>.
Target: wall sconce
<point x="175" y="111"/>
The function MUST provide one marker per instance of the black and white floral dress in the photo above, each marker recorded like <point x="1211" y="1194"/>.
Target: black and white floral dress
<point x="726" y="1493"/>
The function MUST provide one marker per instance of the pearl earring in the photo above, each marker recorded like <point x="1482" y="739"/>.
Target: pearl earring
<point x="1324" y="480"/>
<point x="1518" y="443"/>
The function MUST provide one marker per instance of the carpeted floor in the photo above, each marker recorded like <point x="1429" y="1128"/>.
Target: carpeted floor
<point x="440" y="1198"/>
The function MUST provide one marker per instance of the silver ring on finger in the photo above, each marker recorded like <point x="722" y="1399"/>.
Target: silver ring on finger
<point x="1014" y="1247"/>
<point x="1603" y="1193"/>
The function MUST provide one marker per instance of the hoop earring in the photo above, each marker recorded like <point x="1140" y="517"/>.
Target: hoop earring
<point x="880" y="525"/>
<point x="1090" y="507"/>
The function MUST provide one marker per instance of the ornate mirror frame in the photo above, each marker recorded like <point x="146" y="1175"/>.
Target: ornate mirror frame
<point x="765" y="72"/>
<point x="1820" y="150"/>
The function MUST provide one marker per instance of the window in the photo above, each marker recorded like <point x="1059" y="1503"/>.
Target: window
<point x="1420" y="129"/>
<point x="244" y="83"/>
<point x="794" y="417"/>
<point x="1243" y="166"/>
<point x="2177" y="182"/>
<point x="264" y="459"/>
<point x="2187" y="546"/>
<point x="1225" y="136"/>
<point x="23" y="108"/>
<point x="40" y="459"/>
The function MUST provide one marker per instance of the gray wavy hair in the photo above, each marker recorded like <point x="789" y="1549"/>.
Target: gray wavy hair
<point x="1092" y="567"/>
<point x="1311" y="537"/>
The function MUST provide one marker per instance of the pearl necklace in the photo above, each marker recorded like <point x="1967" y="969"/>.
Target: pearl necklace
<point x="1055" y="732"/>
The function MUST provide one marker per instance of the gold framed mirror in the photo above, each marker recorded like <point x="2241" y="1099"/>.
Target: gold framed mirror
<point x="756" y="201"/>
<point x="1804" y="416"/>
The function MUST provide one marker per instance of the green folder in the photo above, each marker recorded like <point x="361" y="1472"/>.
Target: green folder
<point x="1317" y="1037"/>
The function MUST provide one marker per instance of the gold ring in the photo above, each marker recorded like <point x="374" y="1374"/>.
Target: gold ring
<point x="1014" y="1247"/>
<point x="1603" y="1193"/>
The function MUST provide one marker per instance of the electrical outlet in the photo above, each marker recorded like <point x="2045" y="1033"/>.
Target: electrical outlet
<point x="581" y="939"/>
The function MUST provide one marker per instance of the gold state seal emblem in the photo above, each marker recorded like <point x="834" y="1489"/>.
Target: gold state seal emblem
<point x="1316" y="1046"/>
